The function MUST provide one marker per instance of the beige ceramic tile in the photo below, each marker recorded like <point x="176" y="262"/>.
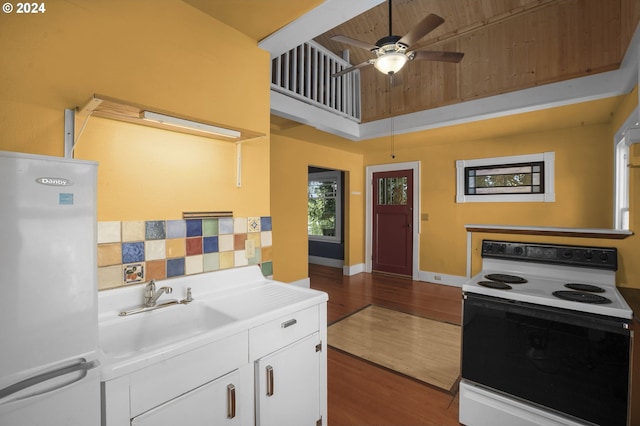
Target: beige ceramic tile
<point x="193" y="265"/>
<point x="109" y="254"/>
<point x="240" y="258"/>
<point x="225" y="242"/>
<point x="109" y="277"/>
<point x="253" y="224"/>
<point x="176" y="247"/>
<point x="108" y="232"/>
<point x="155" y="250"/>
<point x="265" y="238"/>
<point x="240" y="225"/>
<point x="226" y="260"/>
<point x="133" y="231"/>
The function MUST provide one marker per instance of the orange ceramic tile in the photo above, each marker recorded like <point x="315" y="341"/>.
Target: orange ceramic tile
<point x="238" y="241"/>
<point x="176" y="247"/>
<point x="266" y="254"/>
<point x="109" y="254"/>
<point x="156" y="270"/>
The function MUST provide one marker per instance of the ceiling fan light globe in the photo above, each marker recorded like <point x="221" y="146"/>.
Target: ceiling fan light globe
<point x="390" y="63"/>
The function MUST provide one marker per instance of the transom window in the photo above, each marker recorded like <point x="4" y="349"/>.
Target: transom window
<point x="511" y="179"/>
<point x="524" y="178"/>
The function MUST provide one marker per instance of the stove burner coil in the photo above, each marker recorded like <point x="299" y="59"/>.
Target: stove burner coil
<point x="579" y="296"/>
<point x="495" y="284"/>
<point x="505" y="278"/>
<point x="585" y="287"/>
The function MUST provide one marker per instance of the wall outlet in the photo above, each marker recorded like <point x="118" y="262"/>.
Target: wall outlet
<point x="249" y="249"/>
<point x="437" y="277"/>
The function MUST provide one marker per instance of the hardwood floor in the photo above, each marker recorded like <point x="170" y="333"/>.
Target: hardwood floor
<point x="361" y="393"/>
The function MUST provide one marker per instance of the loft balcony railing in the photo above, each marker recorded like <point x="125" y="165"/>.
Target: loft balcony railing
<point x="304" y="73"/>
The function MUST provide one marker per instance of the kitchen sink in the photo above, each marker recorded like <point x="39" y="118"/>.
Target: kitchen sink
<point x="123" y="336"/>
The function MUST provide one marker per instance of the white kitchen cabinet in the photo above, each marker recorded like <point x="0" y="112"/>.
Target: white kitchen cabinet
<point x="219" y="402"/>
<point x="288" y="385"/>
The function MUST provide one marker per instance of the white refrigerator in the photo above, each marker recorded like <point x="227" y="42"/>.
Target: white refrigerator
<point x="49" y="369"/>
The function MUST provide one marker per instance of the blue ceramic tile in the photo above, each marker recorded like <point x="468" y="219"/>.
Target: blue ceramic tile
<point x="154" y="230"/>
<point x="210" y="244"/>
<point x="176" y="229"/>
<point x="194" y="228"/>
<point x="265" y="223"/>
<point x="132" y="252"/>
<point x="225" y="225"/>
<point x="175" y="267"/>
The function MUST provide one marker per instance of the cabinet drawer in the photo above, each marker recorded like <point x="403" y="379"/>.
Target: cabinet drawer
<point x="281" y="332"/>
<point x="158" y="383"/>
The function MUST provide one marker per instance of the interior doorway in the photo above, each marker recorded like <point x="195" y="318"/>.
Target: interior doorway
<point x="325" y="216"/>
<point x="411" y="219"/>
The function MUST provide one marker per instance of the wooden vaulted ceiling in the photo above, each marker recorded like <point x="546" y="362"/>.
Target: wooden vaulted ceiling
<point x="509" y="45"/>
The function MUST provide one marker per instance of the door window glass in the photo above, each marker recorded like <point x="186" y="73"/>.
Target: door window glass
<point x="392" y="191"/>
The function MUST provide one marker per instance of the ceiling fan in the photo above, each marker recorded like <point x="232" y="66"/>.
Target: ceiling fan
<point x="392" y="51"/>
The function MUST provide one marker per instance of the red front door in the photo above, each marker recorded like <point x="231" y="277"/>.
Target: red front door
<point x="392" y="249"/>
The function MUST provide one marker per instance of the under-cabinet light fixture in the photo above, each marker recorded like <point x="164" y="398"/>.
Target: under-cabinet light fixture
<point x="188" y="124"/>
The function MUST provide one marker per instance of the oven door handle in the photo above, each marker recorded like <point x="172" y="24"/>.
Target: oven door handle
<point x="581" y="319"/>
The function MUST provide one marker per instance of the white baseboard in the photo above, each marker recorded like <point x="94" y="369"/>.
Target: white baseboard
<point x="439" y="278"/>
<point x="353" y="269"/>
<point x="325" y="261"/>
<point x="304" y="283"/>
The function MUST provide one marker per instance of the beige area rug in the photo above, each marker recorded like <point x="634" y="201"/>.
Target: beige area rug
<point x="421" y="348"/>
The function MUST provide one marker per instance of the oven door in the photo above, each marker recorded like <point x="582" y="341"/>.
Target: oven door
<point x="573" y="363"/>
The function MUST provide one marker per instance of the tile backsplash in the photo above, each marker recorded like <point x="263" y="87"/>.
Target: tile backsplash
<point x="131" y="252"/>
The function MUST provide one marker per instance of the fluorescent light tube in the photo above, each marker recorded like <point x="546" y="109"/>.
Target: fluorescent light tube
<point x="188" y="124"/>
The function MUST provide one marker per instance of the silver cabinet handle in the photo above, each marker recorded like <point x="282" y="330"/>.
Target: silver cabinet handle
<point x="289" y="323"/>
<point x="269" y="380"/>
<point x="231" y="401"/>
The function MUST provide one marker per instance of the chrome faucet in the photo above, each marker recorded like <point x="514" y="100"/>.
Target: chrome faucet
<point x="151" y="296"/>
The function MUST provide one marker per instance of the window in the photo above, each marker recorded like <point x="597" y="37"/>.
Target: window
<point x="392" y="191"/>
<point x="525" y="178"/>
<point x="323" y="220"/>
<point x="627" y="135"/>
<point x="511" y="179"/>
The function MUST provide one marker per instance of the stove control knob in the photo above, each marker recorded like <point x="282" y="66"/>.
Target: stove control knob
<point x="604" y="256"/>
<point x="567" y="253"/>
<point x="518" y="250"/>
<point x="501" y="248"/>
<point x="588" y="255"/>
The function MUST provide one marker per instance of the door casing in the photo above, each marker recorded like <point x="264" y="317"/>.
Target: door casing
<point x="415" y="166"/>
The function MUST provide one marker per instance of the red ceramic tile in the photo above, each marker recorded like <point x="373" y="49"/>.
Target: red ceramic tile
<point x="194" y="246"/>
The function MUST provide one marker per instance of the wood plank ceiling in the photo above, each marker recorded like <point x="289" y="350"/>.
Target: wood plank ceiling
<point x="509" y="45"/>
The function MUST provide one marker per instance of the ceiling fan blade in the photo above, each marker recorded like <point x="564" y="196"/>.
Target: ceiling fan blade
<point x="426" y="55"/>
<point x="353" y="68"/>
<point x="424" y="27"/>
<point x="354" y="42"/>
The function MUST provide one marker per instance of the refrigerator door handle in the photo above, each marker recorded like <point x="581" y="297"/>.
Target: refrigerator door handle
<point x="83" y="366"/>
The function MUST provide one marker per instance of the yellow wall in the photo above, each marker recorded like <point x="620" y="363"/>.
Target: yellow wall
<point x="583" y="147"/>
<point x="289" y="176"/>
<point x="161" y="53"/>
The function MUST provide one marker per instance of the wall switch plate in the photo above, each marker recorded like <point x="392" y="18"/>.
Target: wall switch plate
<point x="249" y="249"/>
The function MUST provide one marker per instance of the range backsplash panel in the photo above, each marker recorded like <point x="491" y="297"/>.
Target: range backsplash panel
<point x="131" y="252"/>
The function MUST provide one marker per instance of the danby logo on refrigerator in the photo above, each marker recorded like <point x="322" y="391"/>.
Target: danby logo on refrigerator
<point x="54" y="181"/>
